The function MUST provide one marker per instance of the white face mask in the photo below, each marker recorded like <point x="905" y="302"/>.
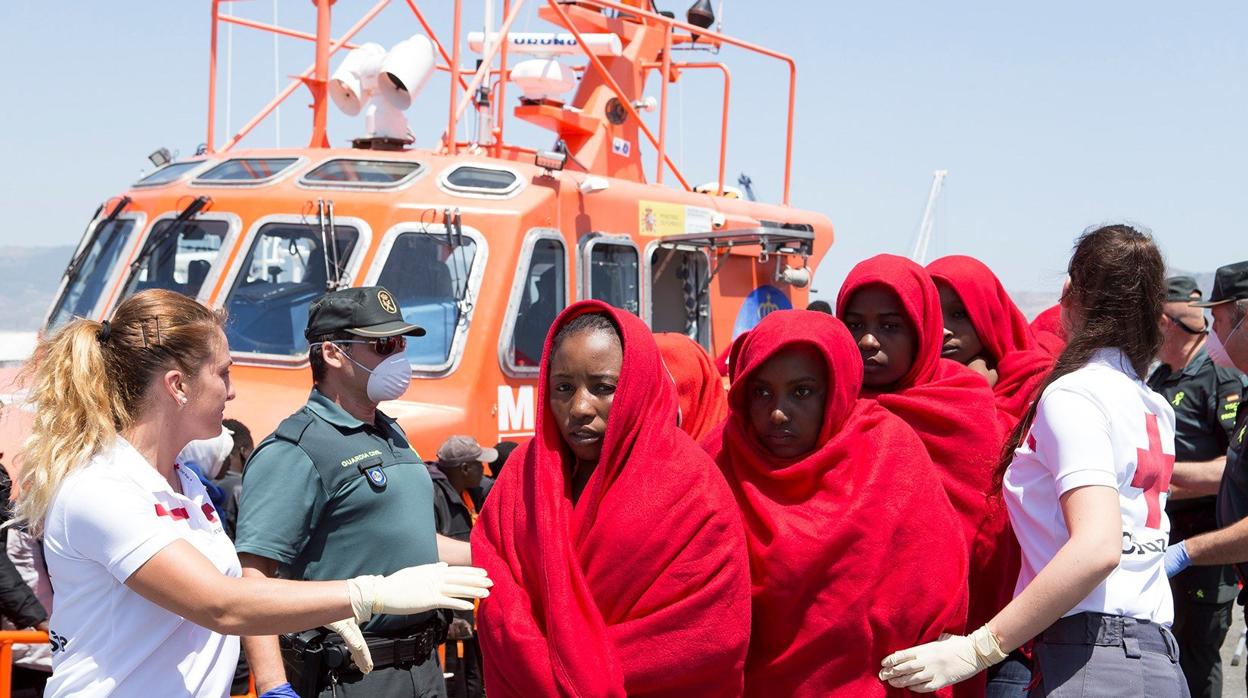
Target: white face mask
<point x="389" y="379"/>
<point x="1217" y="349"/>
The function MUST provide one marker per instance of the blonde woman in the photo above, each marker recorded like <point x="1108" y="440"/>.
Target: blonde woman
<point x="146" y="584"/>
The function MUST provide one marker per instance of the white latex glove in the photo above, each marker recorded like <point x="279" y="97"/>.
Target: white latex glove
<point x="950" y="659"/>
<point x="418" y="589"/>
<point x="354" y="639"/>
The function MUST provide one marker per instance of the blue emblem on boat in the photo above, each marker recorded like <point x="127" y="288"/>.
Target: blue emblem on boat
<point x="760" y="303"/>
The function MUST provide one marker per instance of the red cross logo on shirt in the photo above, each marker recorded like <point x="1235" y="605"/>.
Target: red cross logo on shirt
<point x="1152" y="471"/>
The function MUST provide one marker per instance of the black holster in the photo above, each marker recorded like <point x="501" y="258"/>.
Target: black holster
<point x="311" y="657"/>
<point x="317" y="658"/>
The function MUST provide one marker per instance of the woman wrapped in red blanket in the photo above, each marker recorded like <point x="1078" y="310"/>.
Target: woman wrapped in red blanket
<point x="852" y="550"/>
<point x="618" y="552"/>
<point x="892" y="308"/>
<point x="986" y="328"/>
<point x="699" y="387"/>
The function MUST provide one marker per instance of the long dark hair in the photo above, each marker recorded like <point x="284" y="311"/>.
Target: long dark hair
<point x="1117" y="283"/>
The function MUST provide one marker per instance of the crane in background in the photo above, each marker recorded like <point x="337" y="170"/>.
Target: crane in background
<point x="924" y="238"/>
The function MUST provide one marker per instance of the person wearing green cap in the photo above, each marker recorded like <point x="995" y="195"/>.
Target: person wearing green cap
<point x="1205" y="398"/>
<point x="337" y="487"/>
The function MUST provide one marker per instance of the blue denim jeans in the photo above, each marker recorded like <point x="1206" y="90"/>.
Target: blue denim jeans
<point x="1010" y="678"/>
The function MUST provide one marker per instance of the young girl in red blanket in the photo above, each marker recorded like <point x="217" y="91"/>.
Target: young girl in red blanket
<point x="852" y="549"/>
<point x="618" y="551"/>
<point x="987" y="332"/>
<point x="892" y="307"/>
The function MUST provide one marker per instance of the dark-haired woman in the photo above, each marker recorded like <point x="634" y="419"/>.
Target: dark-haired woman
<point x="853" y="551"/>
<point x="892" y="308"/>
<point x="699" y="387"/>
<point x="1086" y="488"/>
<point x="147" y="586"/>
<point x="617" y="552"/>
<point x="984" y="330"/>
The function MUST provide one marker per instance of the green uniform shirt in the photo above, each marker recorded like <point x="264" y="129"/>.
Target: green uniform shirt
<point x="1205" y="398"/>
<point x="330" y="497"/>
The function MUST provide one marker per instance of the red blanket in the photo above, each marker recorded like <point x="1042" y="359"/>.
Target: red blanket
<point x="952" y="409"/>
<point x="1002" y="329"/>
<point x="1049" y="332"/>
<point x="699" y="387"/>
<point x="642" y="587"/>
<point x="852" y="553"/>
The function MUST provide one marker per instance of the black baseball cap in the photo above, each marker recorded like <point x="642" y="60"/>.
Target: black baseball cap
<point x="368" y="311"/>
<point x="1230" y="283"/>
<point x="1182" y="289"/>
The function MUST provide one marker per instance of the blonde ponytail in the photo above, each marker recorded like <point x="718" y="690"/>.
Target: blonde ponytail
<point x="90" y="379"/>
<point x="77" y="410"/>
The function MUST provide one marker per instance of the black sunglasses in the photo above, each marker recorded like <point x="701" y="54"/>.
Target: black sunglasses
<point x="384" y="346"/>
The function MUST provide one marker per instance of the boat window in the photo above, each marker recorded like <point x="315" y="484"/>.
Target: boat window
<point x="285" y="270"/>
<point x="428" y="276"/>
<point x="246" y="170"/>
<point x="362" y="173"/>
<point x="168" y="173"/>
<point x="543" y="295"/>
<point x="179" y="260"/>
<point x="485" y="180"/>
<point x="680" y="274"/>
<point x="613" y="270"/>
<point x="90" y="271"/>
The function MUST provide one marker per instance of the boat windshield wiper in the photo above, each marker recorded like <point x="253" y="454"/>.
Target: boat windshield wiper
<point x="71" y="270"/>
<point x="158" y="238"/>
<point x="453" y="223"/>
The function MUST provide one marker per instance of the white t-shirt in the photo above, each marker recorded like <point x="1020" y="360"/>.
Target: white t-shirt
<point x="1099" y="425"/>
<point x="106" y="520"/>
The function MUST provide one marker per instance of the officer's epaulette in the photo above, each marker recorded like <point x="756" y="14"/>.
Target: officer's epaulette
<point x="291" y="429"/>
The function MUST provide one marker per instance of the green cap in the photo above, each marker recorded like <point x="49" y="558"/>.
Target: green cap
<point x="1182" y="289"/>
<point x="1230" y="283"/>
<point x="368" y="311"/>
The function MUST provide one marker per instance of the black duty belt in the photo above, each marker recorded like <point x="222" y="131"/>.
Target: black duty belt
<point x="316" y="659"/>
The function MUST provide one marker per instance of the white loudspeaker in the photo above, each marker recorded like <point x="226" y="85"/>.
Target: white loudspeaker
<point x="405" y="70"/>
<point x="355" y="80"/>
<point x="543" y="78"/>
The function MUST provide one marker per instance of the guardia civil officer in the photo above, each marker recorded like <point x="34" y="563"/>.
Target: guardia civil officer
<point x="338" y="488"/>
<point x="1205" y="398"/>
<point x="1228" y="346"/>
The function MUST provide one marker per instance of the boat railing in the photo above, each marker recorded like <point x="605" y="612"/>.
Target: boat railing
<point x="8" y="638"/>
<point x="316" y="76"/>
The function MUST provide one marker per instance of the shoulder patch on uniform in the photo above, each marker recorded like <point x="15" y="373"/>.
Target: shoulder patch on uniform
<point x="291" y="429"/>
<point x="1233" y="397"/>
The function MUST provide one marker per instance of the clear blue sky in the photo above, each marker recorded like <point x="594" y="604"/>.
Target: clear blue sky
<point x="1051" y="117"/>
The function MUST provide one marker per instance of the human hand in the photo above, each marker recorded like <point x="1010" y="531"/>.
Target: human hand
<point x="418" y="589"/>
<point x="284" y="690"/>
<point x="952" y="658"/>
<point x="350" y="633"/>
<point x="1176" y="558"/>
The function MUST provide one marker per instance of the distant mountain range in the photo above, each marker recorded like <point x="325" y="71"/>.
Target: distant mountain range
<point x="29" y="277"/>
